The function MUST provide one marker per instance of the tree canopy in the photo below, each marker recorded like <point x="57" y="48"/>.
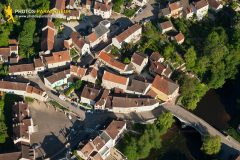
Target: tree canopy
<point x="139" y="146"/>
<point x="211" y="145"/>
<point x="26" y="38"/>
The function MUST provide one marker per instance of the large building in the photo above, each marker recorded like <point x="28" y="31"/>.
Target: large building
<point x="23" y="89"/>
<point x="129" y="104"/>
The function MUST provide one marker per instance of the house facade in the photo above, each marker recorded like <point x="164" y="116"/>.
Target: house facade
<point x="128" y="105"/>
<point x="200" y="8"/>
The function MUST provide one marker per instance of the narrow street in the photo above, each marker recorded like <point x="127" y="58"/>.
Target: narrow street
<point x="68" y="105"/>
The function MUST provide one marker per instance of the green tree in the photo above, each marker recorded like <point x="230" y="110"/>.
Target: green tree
<point x="144" y="145"/>
<point x="165" y="121"/>
<point x="130" y="151"/>
<point x="190" y="58"/>
<point x="26" y="36"/>
<point x="211" y="145"/>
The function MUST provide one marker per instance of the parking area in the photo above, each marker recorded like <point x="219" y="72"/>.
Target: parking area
<point x="53" y="126"/>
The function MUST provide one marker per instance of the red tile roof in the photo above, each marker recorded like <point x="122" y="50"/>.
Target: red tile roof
<point x="56" y="57"/>
<point x="200" y="4"/>
<point x="21" y="68"/>
<point x="128" y="32"/>
<point x="87" y="149"/>
<point x="47" y="39"/>
<point x="179" y="37"/>
<point x="111" y="61"/>
<point x="175" y="6"/>
<point x="32" y="89"/>
<point x="114" y="127"/>
<point x="78" y="71"/>
<point x="164" y="85"/>
<point x="13" y="85"/>
<point x="166" y="24"/>
<point x="13" y="42"/>
<point x="92" y="37"/>
<point x="114" y="78"/>
<point x="77" y="40"/>
<point x="157" y="67"/>
<point x="102" y="6"/>
<point x="98" y="142"/>
<point x="214" y="4"/>
<point x="38" y="63"/>
<point x="5" y="52"/>
<point x="138" y="58"/>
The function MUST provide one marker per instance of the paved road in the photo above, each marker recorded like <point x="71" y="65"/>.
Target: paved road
<point x="200" y="124"/>
<point x="68" y="105"/>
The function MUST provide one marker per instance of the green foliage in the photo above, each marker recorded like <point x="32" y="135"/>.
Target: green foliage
<point x="168" y="51"/>
<point x="211" y="145"/>
<point x="234" y="133"/>
<point x="73" y="53"/>
<point x="190" y="58"/>
<point x="78" y="84"/>
<point x="26" y="38"/>
<point x="139" y="147"/>
<point x="191" y="91"/>
<point x="151" y="38"/>
<point x="5" y="30"/>
<point x="42" y="4"/>
<point x="117" y="4"/>
<point x="115" y="51"/>
<point x="3" y="69"/>
<point x="129" y="12"/>
<point x="57" y="23"/>
<point x="131" y="150"/>
<point x="165" y="121"/>
<point x="126" y="60"/>
<point x="3" y="127"/>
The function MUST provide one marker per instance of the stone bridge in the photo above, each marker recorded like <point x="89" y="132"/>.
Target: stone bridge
<point x="189" y="119"/>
